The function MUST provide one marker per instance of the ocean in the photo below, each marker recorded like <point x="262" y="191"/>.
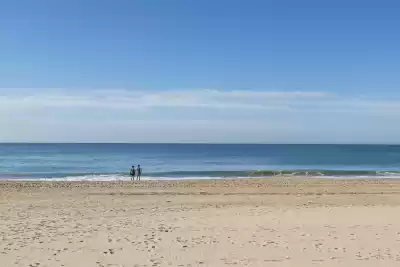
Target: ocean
<point x="109" y="162"/>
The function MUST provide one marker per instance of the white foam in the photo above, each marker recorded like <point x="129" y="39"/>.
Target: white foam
<point x="111" y="177"/>
<point x="119" y="177"/>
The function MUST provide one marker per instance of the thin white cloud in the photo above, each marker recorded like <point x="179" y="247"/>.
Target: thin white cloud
<point x="124" y="99"/>
<point x="25" y="99"/>
<point x="195" y="115"/>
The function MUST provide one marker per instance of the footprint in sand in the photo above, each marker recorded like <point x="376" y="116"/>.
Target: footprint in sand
<point x="110" y="251"/>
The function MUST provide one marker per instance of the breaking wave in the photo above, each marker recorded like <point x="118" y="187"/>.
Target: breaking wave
<point x="202" y="175"/>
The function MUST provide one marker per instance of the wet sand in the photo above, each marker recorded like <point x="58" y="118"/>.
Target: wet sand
<point x="249" y="222"/>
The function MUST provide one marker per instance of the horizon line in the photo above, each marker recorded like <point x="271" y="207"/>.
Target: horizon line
<point x="193" y="143"/>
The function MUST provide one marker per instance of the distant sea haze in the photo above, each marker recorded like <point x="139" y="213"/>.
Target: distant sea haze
<point x="108" y="162"/>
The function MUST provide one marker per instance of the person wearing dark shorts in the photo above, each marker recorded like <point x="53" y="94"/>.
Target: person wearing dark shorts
<point x="133" y="173"/>
<point x="139" y="172"/>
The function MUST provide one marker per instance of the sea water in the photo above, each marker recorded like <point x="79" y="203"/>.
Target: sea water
<point x="195" y="161"/>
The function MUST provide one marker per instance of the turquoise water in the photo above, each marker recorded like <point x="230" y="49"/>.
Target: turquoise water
<point x="195" y="161"/>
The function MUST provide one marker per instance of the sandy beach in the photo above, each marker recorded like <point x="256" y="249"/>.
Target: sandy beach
<point x="249" y="222"/>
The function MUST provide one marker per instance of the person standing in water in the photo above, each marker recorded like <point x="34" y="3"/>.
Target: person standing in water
<point x="139" y="172"/>
<point x="133" y="173"/>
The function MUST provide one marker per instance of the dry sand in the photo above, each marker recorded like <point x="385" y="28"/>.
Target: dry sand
<point x="271" y="222"/>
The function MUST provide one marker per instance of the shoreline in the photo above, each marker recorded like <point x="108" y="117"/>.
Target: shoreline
<point x="215" y="181"/>
<point x="95" y="178"/>
<point x="209" y="175"/>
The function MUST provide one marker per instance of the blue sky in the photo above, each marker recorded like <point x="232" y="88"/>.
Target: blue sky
<point x="200" y="71"/>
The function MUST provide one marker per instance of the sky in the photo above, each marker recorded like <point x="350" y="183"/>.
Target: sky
<point x="221" y="71"/>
